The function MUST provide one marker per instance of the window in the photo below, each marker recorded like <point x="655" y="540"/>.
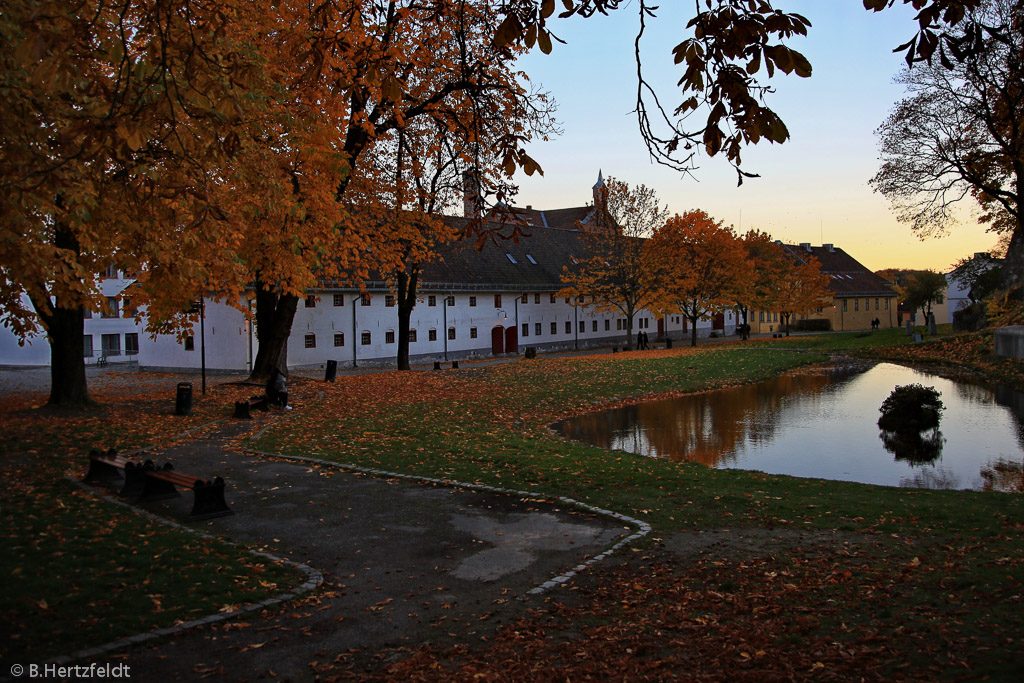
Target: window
<point x="111" y="271"/>
<point x="431" y="300"/>
<point x="86" y="314"/>
<point x="339" y="299"/>
<point x="618" y="324"/>
<point x="111" y="345"/>
<point x="111" y="309"/>
<point x="537" y="330"/>
<point x="526" y="299"/>
<point x="887" y="304"/>
<point x="554" y="328"/>
<point x="87" y="345"/>
<point x="583" y="326"/>
<point x="365" y="301"/>
<point x="526" y="329"/>
<point x="511" y="258"/>
<point x="432" y="335"/>
<point x="412" y="336"/>
<point x="536" y="298"/>
<point x="552" y="298"/>
<point x="876" y="303"/>
<point x="451" y="334"/>
<point x="389" y="300"/>
<point x="568" y="327"/>
<point x="844" y="306"/>
<point x="566" y="299"/>
<point x="365" y="338"/>
<point x="131" y="343"/>
<point x="472" y="333"/>
<point x="127" y="310"/>
<point x="389" y="337"/>
<point x="762" y="317"/>
<point x="450" y="301"/>
<point x="607" y="324"/>
<point x="530" y="258"/>
<point x="595" y="326"/>
<point x="472" y="302"/>
<point x="856" y="304"/>
<point x="190" y="343"/>
<point x="339" y="338"/>
<point x="310" y="301"/>
<point x="310" y="341"/>
<point x="497" y="300"/>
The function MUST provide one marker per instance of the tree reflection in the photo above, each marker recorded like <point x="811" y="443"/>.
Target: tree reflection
<point x="708" y="428"/>
<point x="931" y="478"/>
<point x="1003" y="475"/>
<point x="913" y="447"/>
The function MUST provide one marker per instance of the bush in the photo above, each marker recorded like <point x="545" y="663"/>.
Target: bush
<point x="911" y="408"/>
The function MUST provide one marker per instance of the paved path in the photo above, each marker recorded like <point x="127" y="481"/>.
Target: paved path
<point x="403" y="563"/>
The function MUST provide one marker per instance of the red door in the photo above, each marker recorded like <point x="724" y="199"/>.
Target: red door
<point x="719" y="323"/>
<point x="661" y="327"/>
<point x="498" y="341"/>
<point x="511" y="340"/>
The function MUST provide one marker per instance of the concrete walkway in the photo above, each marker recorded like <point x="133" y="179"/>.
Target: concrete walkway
<point x="403" y="563"/>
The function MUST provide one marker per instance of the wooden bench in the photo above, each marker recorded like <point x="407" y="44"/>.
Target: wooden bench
<point x="161" y="483"/>
<point x="108" y="467"/>
<point x="243" y="409"/>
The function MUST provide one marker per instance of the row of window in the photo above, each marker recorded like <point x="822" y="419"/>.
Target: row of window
<point x="390" y="301"/>
<point x="112" y="308"/>
<point x="867" y="304"/>
<point x="110" y="344"/>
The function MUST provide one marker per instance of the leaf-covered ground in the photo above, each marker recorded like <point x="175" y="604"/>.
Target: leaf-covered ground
<point x="882" y="583"/>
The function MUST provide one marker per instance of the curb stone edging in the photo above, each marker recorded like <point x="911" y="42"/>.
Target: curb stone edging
<point x="643" y="528"/>
<point x="314" y="578"/>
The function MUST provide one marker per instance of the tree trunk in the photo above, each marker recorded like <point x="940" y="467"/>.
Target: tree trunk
<point x="65" y="328"/>
<point x="693" y="329"/>
<point x="629" y="329"/>
<point x="787" y="323"/>
<point x="1013" y="264"/>
<point x="274" y="315"/>
<point x="407" y="282"/>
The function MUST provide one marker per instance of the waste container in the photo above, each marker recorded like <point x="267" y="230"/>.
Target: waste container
<point x="668" y="342"/>
<point x="332" y="371"/>
<point x="183" y="400"/>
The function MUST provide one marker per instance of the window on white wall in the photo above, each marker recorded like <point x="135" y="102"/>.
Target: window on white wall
<point x="389" y="337"/>
<point x="365" y="339"/>
<point x="412" y="336"/>
<point x="472" y="333"/>
<point x="310" y="301"/>
<point x="111" y="344"/>
<point x="131" y="343"/>
<point x="432" y="335"/>
<point x="339" y="299"/>
<point x="537" y="330"/>
<point x="451" y="333"/>
<point x="310" y="341"/>
<point x="339" y="339"/>
<point x="87" y="345"/>
<point x="554" y="328"/>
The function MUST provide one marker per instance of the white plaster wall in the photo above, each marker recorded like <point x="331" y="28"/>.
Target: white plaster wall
<point x="226" y="341"/>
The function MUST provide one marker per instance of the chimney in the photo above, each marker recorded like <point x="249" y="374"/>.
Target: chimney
<point x="806" y="246"/>
<point x="829" y="248"/>
<point x="472" y="202"/>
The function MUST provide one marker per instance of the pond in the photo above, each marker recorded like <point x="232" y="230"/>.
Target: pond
<point x="822" y="422"/>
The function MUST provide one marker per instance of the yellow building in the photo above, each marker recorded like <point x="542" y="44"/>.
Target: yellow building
<point x="858" y="296"/>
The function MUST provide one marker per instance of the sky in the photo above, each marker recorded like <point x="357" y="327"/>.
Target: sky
<point x="814" y="188"/>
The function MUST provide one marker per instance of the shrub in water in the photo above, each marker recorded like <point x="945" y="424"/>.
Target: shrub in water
<point x="911" y="407"/>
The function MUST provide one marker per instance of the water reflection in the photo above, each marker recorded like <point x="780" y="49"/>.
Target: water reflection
<point x="820" y="422"/>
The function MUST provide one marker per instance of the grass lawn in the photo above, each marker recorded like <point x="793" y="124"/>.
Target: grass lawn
<point x="779" y="577"/>
<point x="78" y="571"/>
<point x="838" y="578"/>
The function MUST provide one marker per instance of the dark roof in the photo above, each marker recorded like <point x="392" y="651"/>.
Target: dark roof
<point x="848" y="277"/>
<point x="537" y="260"/>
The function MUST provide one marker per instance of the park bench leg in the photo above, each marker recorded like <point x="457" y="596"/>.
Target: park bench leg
<point x="242" y="410"/>
<point x="158" y="489"/>
<point x="102" y="471"/>
<point x="135" y="479"/>
<point x="208" y="500"/>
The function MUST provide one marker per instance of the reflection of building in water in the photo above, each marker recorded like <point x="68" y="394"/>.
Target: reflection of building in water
<point x="1003" y="475"/>
<point x="710" y="428"/>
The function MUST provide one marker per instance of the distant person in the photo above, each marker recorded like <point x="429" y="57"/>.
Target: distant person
<point x="277" y="390"/>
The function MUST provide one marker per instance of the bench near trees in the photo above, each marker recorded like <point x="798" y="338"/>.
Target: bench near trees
<point x="243" y="409"/>
<point x="147" y="482"/>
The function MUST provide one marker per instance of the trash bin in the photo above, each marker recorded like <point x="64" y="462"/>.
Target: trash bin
<point x="668" y="342"/>
<point x="332" y="371"/>
<point x="183" y="400"/>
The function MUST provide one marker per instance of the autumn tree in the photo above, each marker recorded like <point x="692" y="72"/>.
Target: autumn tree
<point x="376" y="68"/>
<point x="959" y="134"/>
<point x="802" y="289"/>
<point x="702" y="266"/>
<point x="924" y="288"/>
<point x="118" y="123"/>
<point x="613" y="268"/>
<point x="767" y="265"/>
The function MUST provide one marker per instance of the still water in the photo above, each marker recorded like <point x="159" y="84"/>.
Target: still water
<point x="822" y="422"/>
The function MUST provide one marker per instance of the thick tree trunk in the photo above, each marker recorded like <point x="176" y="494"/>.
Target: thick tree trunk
<point x="693" y="329"/>
<point x="407" y="282"/>
<point x="1013" y="264"/>
<point x="274" y="315"/>
<point x="67" y="364"/>
<point x="65" y="328"/>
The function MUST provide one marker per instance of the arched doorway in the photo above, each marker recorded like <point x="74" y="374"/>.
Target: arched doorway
<point x="511" y="340"/>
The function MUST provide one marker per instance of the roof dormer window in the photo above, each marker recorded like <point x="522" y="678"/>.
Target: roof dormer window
<point x="511" y="258"/>
<point x="531" y="259"/>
